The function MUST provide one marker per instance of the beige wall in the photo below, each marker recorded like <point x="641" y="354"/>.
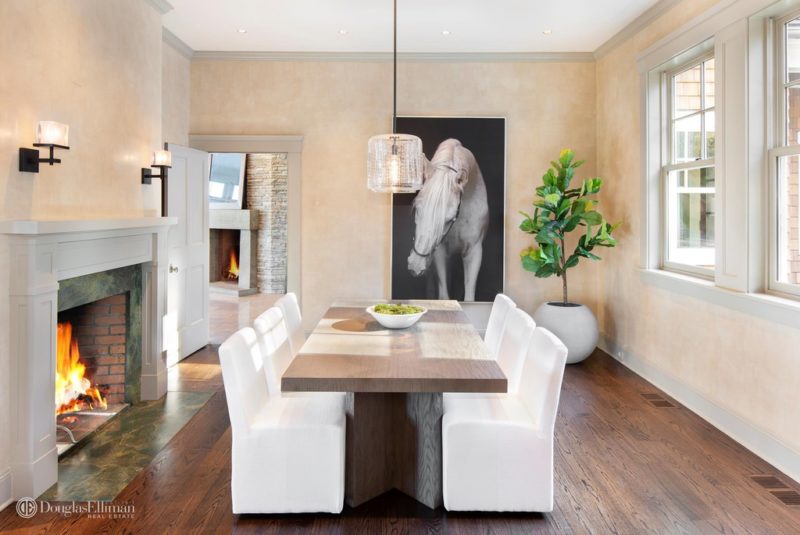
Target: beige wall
<point x="96" y="65"/>
<point x="743" y="364"/>
<point x="337" y="106"/>
<point x="175" y="73"/>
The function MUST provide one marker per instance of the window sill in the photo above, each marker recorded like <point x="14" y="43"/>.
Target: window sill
<point x="768" y="307"/>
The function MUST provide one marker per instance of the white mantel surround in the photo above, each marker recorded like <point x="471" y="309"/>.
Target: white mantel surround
<point x="44" y="253"/>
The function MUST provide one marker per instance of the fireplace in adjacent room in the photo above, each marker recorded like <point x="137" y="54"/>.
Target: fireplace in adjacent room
<point x="232" y="249"/>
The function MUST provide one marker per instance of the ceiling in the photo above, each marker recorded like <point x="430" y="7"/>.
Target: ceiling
<point x="480" y="26"/>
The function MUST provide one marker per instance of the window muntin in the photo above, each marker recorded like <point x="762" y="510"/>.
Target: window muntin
<point x="689" y="177"/>
<point x="784" y="257"/>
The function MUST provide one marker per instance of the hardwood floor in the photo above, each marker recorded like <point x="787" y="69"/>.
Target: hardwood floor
<point x="623" y="465"/>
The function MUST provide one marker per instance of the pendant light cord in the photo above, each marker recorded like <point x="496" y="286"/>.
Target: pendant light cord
<point x="394" y="90"/>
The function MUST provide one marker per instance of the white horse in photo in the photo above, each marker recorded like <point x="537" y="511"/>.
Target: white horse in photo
<point x="451" y="214"/>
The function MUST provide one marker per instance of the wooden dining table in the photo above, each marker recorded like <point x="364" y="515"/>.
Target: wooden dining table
<point x="394" y="381"/>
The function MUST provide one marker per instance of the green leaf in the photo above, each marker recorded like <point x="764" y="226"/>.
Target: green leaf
<point x="592" y="218"/>
<point x="572" y="261"/>
<point x="552" y="198"/>
<point x="528" y="226"/>
<point x="566" y="157"/>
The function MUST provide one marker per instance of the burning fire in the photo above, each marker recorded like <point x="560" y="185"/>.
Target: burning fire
<point x="233" y="266"/>
<point x="74" y="392"/>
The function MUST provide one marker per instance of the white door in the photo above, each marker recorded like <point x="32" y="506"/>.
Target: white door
<point x="187" y="291"/>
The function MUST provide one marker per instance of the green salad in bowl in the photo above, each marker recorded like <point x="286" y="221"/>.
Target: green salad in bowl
<point x="396" y="316"/>
<point x="397" y="310"/>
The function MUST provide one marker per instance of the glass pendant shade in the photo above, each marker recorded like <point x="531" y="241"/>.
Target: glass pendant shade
<point x="394" y="163"/>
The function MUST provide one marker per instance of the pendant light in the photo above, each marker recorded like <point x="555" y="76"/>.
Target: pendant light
<point x="394" y="161"/>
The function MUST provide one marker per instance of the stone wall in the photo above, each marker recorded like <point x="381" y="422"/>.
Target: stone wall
<point x="267" y="178"/>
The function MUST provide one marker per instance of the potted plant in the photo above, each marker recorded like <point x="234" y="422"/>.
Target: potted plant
<point x="558" y="211"/>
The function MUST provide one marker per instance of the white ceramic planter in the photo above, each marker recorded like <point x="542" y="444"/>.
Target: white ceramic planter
<point x="574" y="324"/>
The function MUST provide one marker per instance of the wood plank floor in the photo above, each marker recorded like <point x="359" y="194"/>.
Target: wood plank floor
<point x="623" y="465"/>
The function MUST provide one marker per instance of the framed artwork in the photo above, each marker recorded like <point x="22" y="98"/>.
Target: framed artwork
<point x="448" y="239"/>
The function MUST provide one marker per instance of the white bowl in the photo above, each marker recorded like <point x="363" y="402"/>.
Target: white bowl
<point x="396" y="321"/>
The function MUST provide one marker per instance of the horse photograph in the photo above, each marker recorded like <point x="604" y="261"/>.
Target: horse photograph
<point x="448" y="238"/>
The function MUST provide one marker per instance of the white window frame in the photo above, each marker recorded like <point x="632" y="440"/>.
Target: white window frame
<point x="740" y="33"/>
<point x="669" y="208"/>
<point x="779" y="148"/>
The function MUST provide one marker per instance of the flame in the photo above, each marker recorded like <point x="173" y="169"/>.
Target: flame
<point x="233" y="266"/>
<point x="74" y="392"/>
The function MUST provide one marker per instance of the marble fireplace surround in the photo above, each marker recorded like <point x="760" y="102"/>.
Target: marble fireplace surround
<point x="44" y="253"/>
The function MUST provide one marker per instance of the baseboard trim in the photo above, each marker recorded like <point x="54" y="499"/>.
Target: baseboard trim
<point x="745" y="433"/>
<point x="5" y="489"/>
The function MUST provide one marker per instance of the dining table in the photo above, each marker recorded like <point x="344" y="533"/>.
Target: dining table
<point x="394" y="380"/>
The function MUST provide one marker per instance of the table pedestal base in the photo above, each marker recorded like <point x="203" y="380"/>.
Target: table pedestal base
<point x="394" y="440"/>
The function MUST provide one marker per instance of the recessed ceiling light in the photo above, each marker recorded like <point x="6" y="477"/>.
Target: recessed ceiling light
<point x="241" y="30"/>
<point x="343" y="32"/>
<point x="445" y="32"/>
<point x="548" y="31"/>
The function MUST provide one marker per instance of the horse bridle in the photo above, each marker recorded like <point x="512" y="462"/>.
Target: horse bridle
<point x="449" y="223"/>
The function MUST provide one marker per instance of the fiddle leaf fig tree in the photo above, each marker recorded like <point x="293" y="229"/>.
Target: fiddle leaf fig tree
<point x="558" y="211"/>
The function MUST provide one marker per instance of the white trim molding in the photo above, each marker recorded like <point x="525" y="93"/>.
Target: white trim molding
<point x="162" y="6"/>
<point x="745" y="433"/>
<point x="5" y="489"/>
<point x="175" y="42"/>
<point x="637" y="25"/>
<point x="408" y="57"/>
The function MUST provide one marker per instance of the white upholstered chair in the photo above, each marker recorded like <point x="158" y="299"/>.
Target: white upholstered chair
<point x="498" y="450"/>
<point x="274" y="342"/>
<point x="294" y="321"/>
<point x="288" y="452"/>
<point x="497" y="321"/>
<point x="273" y="339"/>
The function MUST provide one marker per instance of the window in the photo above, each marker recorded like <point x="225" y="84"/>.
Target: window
<point x="784" y="265"/>
<point x="689" y="174"/>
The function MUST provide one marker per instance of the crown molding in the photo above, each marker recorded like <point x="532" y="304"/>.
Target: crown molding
<point x="635" y="26"/>
<point x="409" y="57"/>
<point x="162" y="6"/>
<point x="175" y="42"/>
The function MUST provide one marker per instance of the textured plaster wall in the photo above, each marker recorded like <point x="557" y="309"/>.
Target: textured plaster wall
<point x="175" y="73"/>
<point x="96" y="65"/>
<point x="337" y="106"/>
<point x="743" y="364"/>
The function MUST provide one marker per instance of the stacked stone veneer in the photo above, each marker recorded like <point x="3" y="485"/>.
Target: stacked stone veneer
<point x="101" y="330"/>
<point x="268" y="194"/>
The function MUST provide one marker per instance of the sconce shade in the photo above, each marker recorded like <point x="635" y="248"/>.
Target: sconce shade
<point x="162" y="158"/>
<point x="394" y="163"/>
<point x="52" y="134"/>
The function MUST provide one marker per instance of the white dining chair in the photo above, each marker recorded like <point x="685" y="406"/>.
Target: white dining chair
<point x="497" y="452"/>
<point x="274" y="341"/>
<point x="511" y="352"/>
<point x="287" y="453"/>
<point x="497" y="321"/>
<point x="294" y="321"/>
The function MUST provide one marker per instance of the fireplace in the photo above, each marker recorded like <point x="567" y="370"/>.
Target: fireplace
<point x="67" y="268"/>
<point x="232" y="251"/>
<point x="96" y="352"/>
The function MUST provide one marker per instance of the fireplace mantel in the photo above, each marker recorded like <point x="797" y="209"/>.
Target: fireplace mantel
<point x="61" y="226"/>
<point x="45" y="252"/>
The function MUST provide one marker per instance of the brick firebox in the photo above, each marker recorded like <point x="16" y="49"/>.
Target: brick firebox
<point x="101" y="331"/>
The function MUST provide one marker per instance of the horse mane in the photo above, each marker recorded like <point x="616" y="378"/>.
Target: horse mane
<point x="431" y="201"/>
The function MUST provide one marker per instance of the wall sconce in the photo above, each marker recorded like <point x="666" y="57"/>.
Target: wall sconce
<point x="162" y="159"/>
<point x="48" y="134"/>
